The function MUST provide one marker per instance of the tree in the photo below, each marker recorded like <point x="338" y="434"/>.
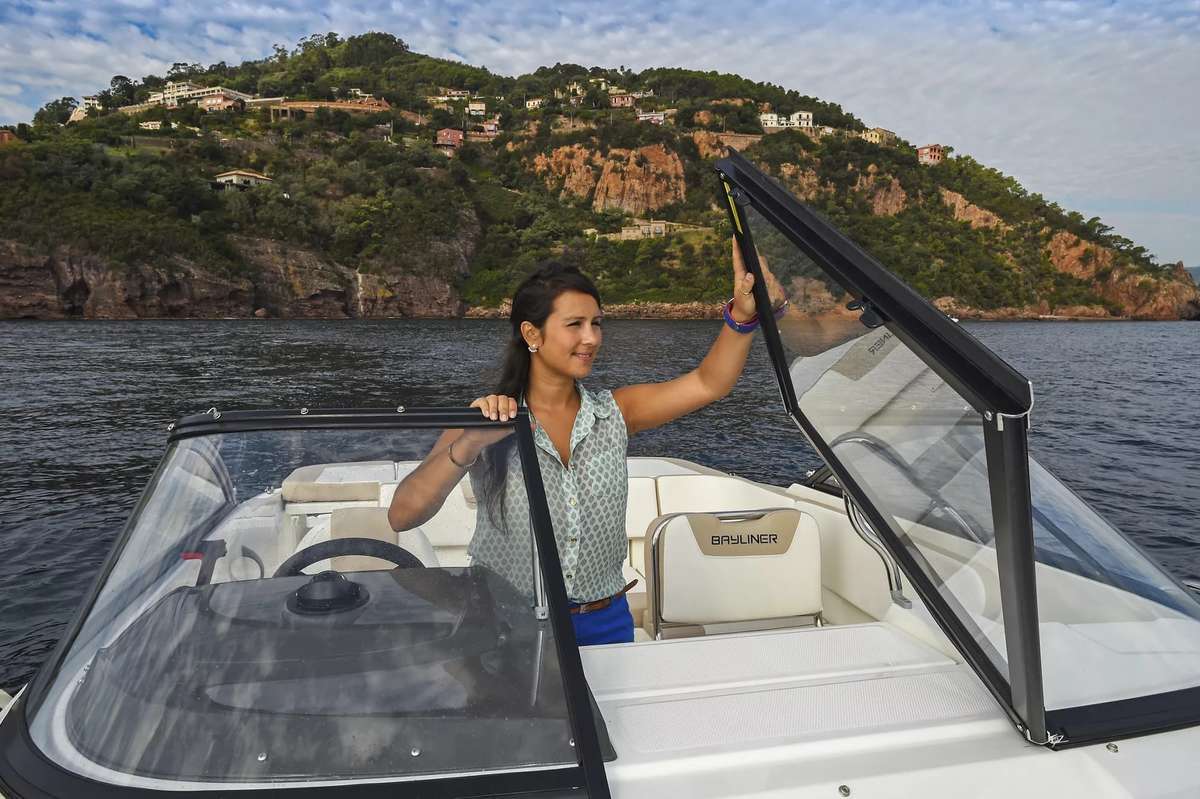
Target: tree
<point x="120" y="90"/>
<point x="180" y="70"/>
<point x="55" y="112"/>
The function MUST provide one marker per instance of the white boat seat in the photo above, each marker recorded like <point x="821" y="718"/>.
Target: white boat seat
<point x="451" y="529"/>
<point x="717" y="568"/>
<point x="710" y="493"/>
<point x="373" y="523"/>
<point x="338" y="482"/>
<point x="640" y="510"/>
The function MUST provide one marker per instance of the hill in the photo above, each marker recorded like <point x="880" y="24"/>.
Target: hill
<point x="120" y="213"/>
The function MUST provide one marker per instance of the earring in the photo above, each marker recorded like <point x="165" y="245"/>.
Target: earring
<point x="533" y="348"/>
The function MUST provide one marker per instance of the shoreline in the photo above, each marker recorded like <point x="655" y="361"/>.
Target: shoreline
<point x="647" y="311"/>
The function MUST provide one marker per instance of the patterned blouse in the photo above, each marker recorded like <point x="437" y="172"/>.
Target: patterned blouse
<point x="586" y="500"/>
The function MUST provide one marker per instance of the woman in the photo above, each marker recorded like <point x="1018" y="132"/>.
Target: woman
<point x="581" y="437"/>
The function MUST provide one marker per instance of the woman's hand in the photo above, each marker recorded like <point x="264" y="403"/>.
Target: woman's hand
<point x="743" y="288"/>
<point x="496" y="407"/>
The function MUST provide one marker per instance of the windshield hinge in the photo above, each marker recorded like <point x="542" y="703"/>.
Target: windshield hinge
<point x="1026" y="414"/>
<point x="1052" y="739"/>
<point x="871" y="316"/>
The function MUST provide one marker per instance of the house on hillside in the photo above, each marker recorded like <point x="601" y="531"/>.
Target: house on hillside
<point x="155" y="124"/>
<point x="799" y="119"/>
<point x="653" y="117"/>
<point x="535" y="102"/>
<point x="214" y="103"/>
<point x="621" y="100"/>
<point x="7" y="136"/>
<point x="449" y="139"/>
<point x="878" y="136"/>
<point x="477" y="108"/>
<point x="292" y="108"/>
<point x="931" y="154"/>
<point x="240" y="180"/>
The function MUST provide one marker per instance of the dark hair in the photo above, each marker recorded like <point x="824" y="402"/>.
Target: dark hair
<point x="532" y="302"/>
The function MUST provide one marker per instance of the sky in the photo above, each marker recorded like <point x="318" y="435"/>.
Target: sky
<point x="1096" y="105"/>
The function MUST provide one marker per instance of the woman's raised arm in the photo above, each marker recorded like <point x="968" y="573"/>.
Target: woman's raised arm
<point x="648" y="405"/>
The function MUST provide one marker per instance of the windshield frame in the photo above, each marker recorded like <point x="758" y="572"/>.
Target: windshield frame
<point x="1003" y="397"/>
<point x="586" y="778"/>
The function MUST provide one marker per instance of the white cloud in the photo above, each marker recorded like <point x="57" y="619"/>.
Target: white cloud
<point x="1092" y="101"/>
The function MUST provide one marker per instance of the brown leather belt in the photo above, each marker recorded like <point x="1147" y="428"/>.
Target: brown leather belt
<point x="601" y="604"/>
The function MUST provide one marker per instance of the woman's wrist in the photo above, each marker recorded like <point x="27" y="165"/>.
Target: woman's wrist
<point x="465" y="455"/>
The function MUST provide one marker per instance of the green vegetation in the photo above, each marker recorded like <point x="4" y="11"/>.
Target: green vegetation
<point x="370" y="190"/>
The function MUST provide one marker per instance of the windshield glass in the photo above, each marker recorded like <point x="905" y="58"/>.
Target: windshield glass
<point x="264" y="624"/>
<point x="1113" y="625"/>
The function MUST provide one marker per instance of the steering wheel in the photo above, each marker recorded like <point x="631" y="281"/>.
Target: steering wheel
<point x="336" y="547"/>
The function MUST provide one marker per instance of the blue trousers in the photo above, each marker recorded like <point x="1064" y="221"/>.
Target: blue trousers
<point x="612" y="625"/>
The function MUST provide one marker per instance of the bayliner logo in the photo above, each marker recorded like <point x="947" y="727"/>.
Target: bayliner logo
<point x="878" y="344"/>
<point x="742" y="539"/>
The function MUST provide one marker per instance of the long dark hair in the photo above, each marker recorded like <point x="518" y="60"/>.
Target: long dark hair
<point x="532" y="302"/>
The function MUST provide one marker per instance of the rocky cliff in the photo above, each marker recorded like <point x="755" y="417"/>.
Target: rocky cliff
<point x="635" y="181"/>
<point x="1140" y="296"/>
<point x="66" y="283"/>
<point x="280" y="280"/>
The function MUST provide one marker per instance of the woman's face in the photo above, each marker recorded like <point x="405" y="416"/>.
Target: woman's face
<point x="570" y="338"/>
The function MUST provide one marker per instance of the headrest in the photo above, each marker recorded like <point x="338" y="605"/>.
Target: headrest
<point x="338" y="482"/>
<point x="760" y="565"/>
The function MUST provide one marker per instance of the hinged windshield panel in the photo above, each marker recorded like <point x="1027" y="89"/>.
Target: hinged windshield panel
<point x="1077" y="632"/>
<point x="264" y="625"/>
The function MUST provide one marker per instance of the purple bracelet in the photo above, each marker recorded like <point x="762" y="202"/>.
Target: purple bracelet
<point x="752" y="324"/>
<point x="741" y="327"/>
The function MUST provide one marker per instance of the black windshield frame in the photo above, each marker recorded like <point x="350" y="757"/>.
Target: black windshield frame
<point x="1004" y="399"/>
<point x="996" y="390"/>
<point x="34" y="773"/>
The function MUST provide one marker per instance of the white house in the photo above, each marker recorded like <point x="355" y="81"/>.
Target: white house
<point x="477" y="108"/>
<point x="800" y="119"/>
<point x="534" y="102"/>
<point x="242" y="179"/>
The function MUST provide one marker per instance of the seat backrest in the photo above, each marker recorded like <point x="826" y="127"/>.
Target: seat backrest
<point x="452" y="527"/>
<point x="640" y="511"/>
<point x="373" y="523"/>
<point x="710" y="493"/>
<point x="338" y="482"/>
<point x="709" y="568"/>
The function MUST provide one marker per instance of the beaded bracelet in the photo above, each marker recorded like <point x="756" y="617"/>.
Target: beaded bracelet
<point x="751" y="324"/>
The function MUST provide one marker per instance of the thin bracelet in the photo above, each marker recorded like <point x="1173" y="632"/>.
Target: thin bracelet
<point x="450" y="455"/>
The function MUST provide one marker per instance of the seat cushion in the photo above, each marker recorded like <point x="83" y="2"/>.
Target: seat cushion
<point x="338" y="482"/>
<point x="712" y="570"/>
<point x="640" y="510"/>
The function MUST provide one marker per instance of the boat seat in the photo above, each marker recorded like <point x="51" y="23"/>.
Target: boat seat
<point x="338" y="482"/>
<point x="373" y="523"/>
<point x="710" y="493"/>
<point x="708" y="570"/>
<point x="451" y="529"/>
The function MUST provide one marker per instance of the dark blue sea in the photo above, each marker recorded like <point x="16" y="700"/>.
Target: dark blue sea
<point x="85" y="405"/>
